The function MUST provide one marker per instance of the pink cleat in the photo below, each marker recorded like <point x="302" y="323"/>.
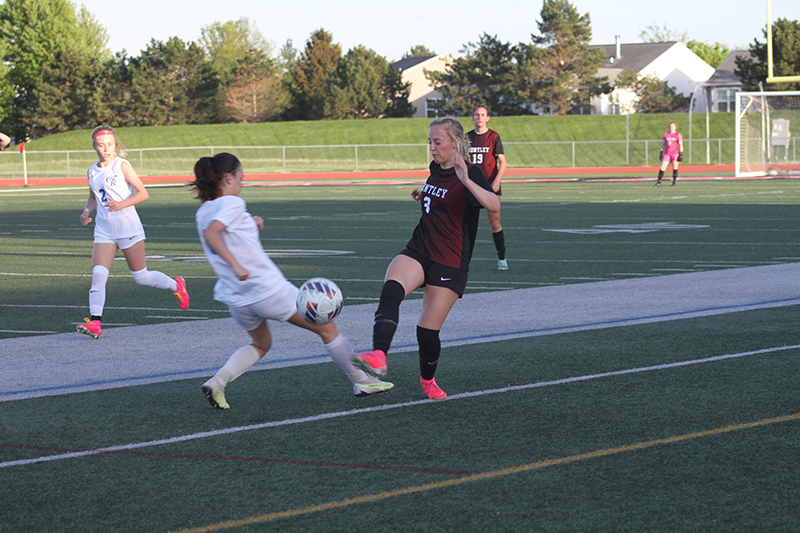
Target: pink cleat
<point x="431" y="389"/>
<point x="92" y="328"/>
<point x="182" y="294"/>
<point x="373" y="363"/>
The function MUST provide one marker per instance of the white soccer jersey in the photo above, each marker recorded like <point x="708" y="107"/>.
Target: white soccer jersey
<point x="241" y="237"/>
<point x="106" y="183"/>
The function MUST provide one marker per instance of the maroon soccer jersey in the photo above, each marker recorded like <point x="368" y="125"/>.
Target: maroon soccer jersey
<point x="449" y="223"/>
<point x="483" y="151"/>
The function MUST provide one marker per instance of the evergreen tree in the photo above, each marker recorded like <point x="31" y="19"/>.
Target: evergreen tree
<point x="785" y="58"/>
<point x="68" y="96"/>
<point x="364" y="85"/>
<point x="558" y="71"/>
<point x="662" y="34"/>
<point x="485" y="74"/>
<point x="172" y="83"/>
<point x="418" y="50"/>
<point x="310" y="77"/>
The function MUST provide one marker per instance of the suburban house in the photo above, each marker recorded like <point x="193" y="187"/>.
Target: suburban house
<point x="721" y="88"/>
<point x="422" y="96"/>
<point x="672" y="62"/>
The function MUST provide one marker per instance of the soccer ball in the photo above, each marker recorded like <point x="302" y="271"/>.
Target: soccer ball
<point x="319" y="301"/>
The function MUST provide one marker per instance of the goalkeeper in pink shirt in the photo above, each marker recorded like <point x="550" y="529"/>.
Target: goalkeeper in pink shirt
<point x="671" y="152"/>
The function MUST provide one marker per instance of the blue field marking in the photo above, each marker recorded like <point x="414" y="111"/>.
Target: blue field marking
<point x="407" y="347"/>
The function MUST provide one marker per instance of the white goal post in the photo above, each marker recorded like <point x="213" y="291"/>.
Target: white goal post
<point x="767" y="131"/>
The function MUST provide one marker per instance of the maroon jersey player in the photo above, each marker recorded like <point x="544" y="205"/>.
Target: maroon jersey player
<point x="486" y="151"/>
<point x="437" y="256"/>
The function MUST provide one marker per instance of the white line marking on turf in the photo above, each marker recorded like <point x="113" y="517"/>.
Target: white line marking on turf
<point x="378" y="408"/>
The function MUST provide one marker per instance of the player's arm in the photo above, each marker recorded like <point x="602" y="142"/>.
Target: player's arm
<point x="91" y="204"/>
<point x="5" y="140"/>
<point x="138" y="197"/>
<point x="501" y="169"/>
<point x="213" y="237"/>
<point x="488" y="199"/>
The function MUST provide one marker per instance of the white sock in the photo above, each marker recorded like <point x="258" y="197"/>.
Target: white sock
<point x="97" y="294"/>
<point x="341" y="351"/>
<point x="155" y="279"/>
<point x="237" y="364"/>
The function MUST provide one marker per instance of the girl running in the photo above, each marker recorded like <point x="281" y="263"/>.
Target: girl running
<point x="438" y="255"/>
<point x="249" y="283"/>
<point x="115" y="189"/>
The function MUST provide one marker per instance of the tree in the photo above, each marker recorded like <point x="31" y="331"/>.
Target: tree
<point x="484" y="74"/>
<point x="69" y="95"/>
<point x="657" y="34"/>
<point x="711" y="54"/>
<point x="172" y="83"/>
<point x="654" y="94"/>
<point x="418" y="50"/>
<point x="364" y="85"/>
<point x="785" y="58"/>
<point x="558" y="70"/>
<point x="310" y="77"/>
<point x="35" y="31"/>
<point x="255" y="92"/>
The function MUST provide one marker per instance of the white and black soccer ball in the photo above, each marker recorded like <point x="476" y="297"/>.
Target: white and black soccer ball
<point x="319" y="301"/>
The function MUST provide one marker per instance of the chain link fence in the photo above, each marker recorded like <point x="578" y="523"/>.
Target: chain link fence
<point x="363" y="157"/>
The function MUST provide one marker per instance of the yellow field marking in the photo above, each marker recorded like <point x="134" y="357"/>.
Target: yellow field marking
<point x="486" y="475"/>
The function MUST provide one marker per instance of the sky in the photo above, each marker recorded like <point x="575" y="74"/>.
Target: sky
<point x="392" y="28"/>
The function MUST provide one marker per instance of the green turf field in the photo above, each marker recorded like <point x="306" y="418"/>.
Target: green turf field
<point x="578" y="431"/>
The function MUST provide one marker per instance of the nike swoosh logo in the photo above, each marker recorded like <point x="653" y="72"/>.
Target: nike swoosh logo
<point x="445" y="279"/>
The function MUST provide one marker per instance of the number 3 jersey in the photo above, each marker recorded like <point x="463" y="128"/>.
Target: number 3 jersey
<point x="450" y="213"/>
<point x="106" y="183"/>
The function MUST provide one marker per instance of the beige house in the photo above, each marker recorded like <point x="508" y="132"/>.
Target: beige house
<point x="422" y="95"/>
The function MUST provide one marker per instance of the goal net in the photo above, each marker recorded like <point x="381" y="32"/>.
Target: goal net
<point x="767" y="131"/>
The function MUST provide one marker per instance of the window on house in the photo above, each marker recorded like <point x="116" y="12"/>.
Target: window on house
<point x="726" y="100"/>
<point x="432" y="107"/>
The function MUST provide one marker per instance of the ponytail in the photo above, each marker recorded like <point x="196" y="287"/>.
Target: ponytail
<point x="209" y="172"/>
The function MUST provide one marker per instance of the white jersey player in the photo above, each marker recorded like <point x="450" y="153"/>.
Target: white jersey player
<point x="115" y="189"/>
<point x="249" y="283"/>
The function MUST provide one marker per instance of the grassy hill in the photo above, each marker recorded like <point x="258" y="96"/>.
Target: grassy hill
<point x="397" y="131"/>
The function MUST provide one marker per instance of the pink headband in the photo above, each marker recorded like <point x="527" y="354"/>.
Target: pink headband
<point x="103" y="132"/>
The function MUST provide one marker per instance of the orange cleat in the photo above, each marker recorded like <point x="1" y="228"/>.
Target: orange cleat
<point x="182" y="294"/>
<point x="373" y="363"/>
<point x="92" y="328"/>
<point x="431" y="389"/>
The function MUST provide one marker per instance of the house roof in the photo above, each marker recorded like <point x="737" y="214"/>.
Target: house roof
<point x="409" y="62"/>
<point x="634" y="56"/>
<point x="724" y="75"/>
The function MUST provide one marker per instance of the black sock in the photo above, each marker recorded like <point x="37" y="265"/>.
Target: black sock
<point x="429" y="349"/>
<point x="674" y="175"/>
<point x="387" y="315"/>
<point x="660" y="174"/>
<point x="95" y="317"/>
<point x="500" y="244"/>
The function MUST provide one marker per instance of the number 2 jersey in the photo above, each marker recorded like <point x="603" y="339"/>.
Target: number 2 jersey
<point x="106" y="183"/>
<point x="450" y="213"/>
<point x="483" y="151"/>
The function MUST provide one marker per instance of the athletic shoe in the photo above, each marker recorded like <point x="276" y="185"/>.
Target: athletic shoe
<point x="673" y="183"/>
<point x="373" y="362"/>
<point x="431" y="389"/>
<point x="370" y="385"/>
<point x="181" y="294"/>
<point x="92" y="327"/>
<point x="215" y="395"/>
<point x="502" y="264"/>
<point x="658" y="184"/>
